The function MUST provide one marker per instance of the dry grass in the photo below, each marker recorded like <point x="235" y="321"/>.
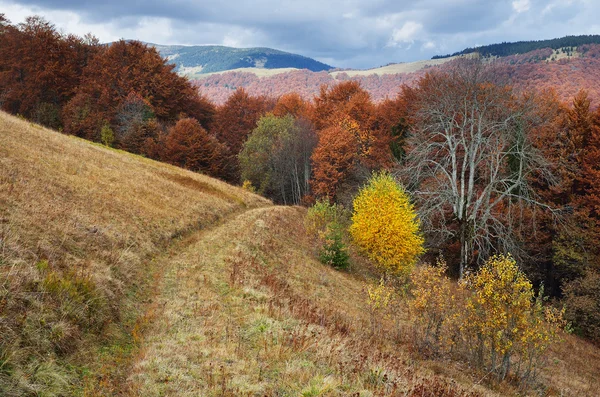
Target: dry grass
<point x="193" y="73"/>
<point x="79" y="224"/>
<point x="123" y="276"/>
<point x="246" y="310"/>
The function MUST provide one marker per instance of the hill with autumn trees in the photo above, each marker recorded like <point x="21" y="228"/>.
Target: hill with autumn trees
<point x="538" y="66"/>
<point x="471" y="165"/>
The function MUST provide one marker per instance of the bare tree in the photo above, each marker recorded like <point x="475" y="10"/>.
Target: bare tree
<point x="471" y="159"/>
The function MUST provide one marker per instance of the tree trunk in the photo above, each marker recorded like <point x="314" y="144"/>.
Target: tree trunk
<point x="465" y="248"/>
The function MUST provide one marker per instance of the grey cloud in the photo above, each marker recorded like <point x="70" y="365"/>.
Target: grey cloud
<point x="355" y="33"/>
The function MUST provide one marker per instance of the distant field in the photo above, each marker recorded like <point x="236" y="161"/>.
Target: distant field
<point x="409" y="67"/>
<point x="194" y="73"/>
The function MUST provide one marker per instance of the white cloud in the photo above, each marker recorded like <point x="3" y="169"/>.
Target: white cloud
<point x="521" y="5"/>
<point x="428" y="45"/>
<point x="406" y="34"/>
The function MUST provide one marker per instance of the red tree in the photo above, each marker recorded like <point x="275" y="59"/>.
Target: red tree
<point x="188" y="145"/>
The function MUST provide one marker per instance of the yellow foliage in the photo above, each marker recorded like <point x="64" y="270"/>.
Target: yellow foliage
<point x="321" y="216"/>
<point x="434" y="306"/>
<point x="385" y="226"/>
<point x="247" y="185"/>
<point x="503" y="319"/>
<point x="379" y="298"/>
<point x="493" y="317"/>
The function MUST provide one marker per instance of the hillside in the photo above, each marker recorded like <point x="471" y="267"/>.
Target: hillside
<point x="522" y="47"/>
<point x="564" y="70"/>
<point x="81" y="228"/>
<point x="121" y="275"/>
<point x="195" y="61"/>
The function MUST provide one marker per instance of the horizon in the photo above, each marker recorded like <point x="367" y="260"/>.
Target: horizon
<point x="362" y="35"/>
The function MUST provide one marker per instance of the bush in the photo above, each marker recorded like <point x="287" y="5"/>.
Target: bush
<point x="434" y="307"/>
<point x="379" y="298"/>
<point x="504" y="323"/>
<point x="385" y="225"/>
<point x="327" y="223"/>
<point x="582" y="304"/>
<point x="493" y="319"/>
<point x="107" y="136"/>
<point x="321" y="215"/>
<point x="334" y="252"/>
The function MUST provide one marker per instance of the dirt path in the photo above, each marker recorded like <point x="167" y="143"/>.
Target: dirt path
<point x="193" y="308"/>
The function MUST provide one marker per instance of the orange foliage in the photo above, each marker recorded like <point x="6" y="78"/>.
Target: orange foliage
<point x="190" y="146"/>
<point x="333" y="159"/>
<point x="346" y="99"/>
<point x="237" y="118"/>
<point x="118" y="70"/>
<point x="293" y="104"/>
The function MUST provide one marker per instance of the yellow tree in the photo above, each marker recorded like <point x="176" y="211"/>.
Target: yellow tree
<point x="385" y="226"/>
<point x="503" y="319"/>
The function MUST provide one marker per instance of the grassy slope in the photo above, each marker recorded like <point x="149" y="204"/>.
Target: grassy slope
<point x="236" y="303"/>
<point x="246" y="310"/>
<point x="97" y="216"/>
<point x="396" y="68"/>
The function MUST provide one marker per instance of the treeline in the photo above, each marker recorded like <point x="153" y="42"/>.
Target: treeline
<point x="521" y="47"/>
<point x="490" y="169"/>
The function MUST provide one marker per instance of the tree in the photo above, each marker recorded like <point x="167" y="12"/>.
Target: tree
<point x="385" y="225"/>
<point x="346" y="99"/>
<point x="40" y="68"/>
<point x="471" y="157"/>
<point x="276" y="158"/>
<point x="333" y="160"/>
<point x="127" y="67"/>
<point x="504" y="324"/>
<point x="293" y="104"/>
<point x="236" y="119"/>
<point x="190" y="146"/>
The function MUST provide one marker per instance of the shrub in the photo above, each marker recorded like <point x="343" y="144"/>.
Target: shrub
<point x="493" y="319"/>
<point x="321" y="215"/>
<point x="379" y="298"/>
<point x="504" y="323"/>
<point x="247" y="185"/>
<point x="434" y="307"/>
<point x="327" y="222"/>
<point x="385" y="226"/>
<point x="334" y="252"/>
<point x="107" y="136"/>
<point x="582" y="304"/>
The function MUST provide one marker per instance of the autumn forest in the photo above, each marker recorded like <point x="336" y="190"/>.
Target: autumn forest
<point x="501" y="174"/>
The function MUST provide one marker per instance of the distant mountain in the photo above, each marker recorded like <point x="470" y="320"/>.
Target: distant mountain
<point x="565" y="69"/>
<point x="522" y="47"/>
<point x="195" y="60"/>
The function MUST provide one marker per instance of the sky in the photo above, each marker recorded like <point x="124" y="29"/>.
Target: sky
<point x="342" y="33"/>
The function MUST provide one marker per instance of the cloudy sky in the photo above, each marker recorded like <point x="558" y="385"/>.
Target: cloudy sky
<point x="342" y="33"/>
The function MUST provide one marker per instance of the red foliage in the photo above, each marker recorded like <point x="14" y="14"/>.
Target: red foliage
<point x="118" y="70"/>
<point x="236" y="118"/>
<point x="333" y="159"/>
<point x="294" y="105"/>
<point x="190" y="146"/>
<point x="40" y="68"/>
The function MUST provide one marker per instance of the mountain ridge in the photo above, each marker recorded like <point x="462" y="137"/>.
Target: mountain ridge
<point x="203" y="59"/>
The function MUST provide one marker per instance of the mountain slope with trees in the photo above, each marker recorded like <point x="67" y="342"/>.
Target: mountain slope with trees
<point x="207" y="59"/>
<point x="522" y="47"/>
